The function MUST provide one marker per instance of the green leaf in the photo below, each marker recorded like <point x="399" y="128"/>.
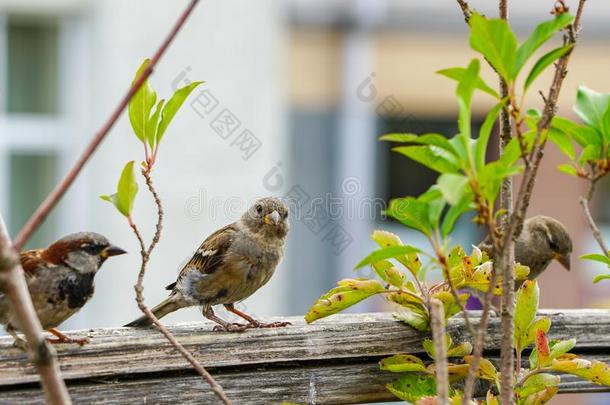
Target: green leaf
<point x="141" y="103"/>
<point x="457" y="73"/>
<point x="126" y="191"/>
<point x="582" y="135"/>
<point x="601" y="277"/>
<point x="543" y="323"/>
<point x="453" y="186"/>
<point x="525" y="310"/>
<point x="430" y="156"/>
<point x="412" y="387"/>
<point x="172" y="107"/>
<point x="545" y="61"/>
<point x="486" y="371"/>
<point x="540" y="397"/>
<point x="590" y="152"/>
<point x="401" y="363"/>
<point x="433" y="198"/>
<point x="512" y="151"/>
<point x="425" y="139"/>
<point x="416" y="320"/>
<point x="541" y="34"/>
<point x="484" y="134"/>
<point x="535" y="384"/>
<point x="454" y="213"/>
<point x="491" y="176"/>
<point x="412" y="213"/>
<point x="563" y="142"/>
<point x="386" y="253"/>
<point x="591" y="107"/>
<point x="450" y="306"/>
<point x="464" y="93"/>
<point x="568" y="169"/>
<point x="597" y="258"/>
<point x="494" y="39"/>
<point x="150" y="133"/>
<point x="347" y="293"/>
<point x="461" y="350"/>
<point x="594" y="371"/>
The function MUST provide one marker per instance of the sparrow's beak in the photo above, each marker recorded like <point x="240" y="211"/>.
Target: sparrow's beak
<point x="563" y="260"/>
<point x="273" y="218"/>
<point x="112" y="251"/>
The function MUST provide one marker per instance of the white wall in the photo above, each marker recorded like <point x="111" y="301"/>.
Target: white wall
<point x="233" y="46"/>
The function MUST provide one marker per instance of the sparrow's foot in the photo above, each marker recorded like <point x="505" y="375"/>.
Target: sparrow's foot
<point x="59" y="341"/>
<point x="270" y="325"/>
<point x="20" y="344"/>
<point x="231" y="327"/>
<point x="60" y="338"/>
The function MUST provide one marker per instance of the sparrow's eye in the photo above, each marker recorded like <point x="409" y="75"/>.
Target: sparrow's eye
<point x="259" y="209"/>
<point x="553" y="245"/>
<point x="91" y="249"/>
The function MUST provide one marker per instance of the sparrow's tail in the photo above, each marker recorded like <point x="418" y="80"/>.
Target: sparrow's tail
<point x="170" y="304"/>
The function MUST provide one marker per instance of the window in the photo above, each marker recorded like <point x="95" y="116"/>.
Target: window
<point x="32" y="65"/>
<point x="31" y="178"/>
<point x="398" y="175"/>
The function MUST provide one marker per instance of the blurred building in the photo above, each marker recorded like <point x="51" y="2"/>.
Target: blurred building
<point x="310" y="84"/>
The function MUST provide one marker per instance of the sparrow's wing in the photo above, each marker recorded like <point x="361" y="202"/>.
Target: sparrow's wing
<point x="31" y="260"/>
<point x="210" y="254"/>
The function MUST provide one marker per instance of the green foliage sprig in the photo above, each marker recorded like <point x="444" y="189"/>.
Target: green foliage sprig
<point x="468" y="182"/>
<point x="149" y="127"/>
<point x="593" y="163"/>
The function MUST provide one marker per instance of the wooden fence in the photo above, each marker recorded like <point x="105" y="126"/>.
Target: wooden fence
<point x="333" y="361"/>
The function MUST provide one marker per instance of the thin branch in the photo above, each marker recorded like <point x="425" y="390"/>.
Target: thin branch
<point x="550" y="107"/>
<point x="12" y="283"/>
<point x="584" y="203"/>
<point x="465" y="10"/>
<point x="479" y="343"/>
<point x="437" y="323"/>
<point x="53" y="198"/>
<point x="139" y="288"/>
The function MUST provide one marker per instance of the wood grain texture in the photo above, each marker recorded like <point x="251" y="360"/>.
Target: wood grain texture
<point x="332" y="361"/>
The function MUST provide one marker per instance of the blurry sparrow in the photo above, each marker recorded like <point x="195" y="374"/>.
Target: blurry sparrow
<point x="542" y="240"/>
<point x="60" y="280"/>
<point x="230" y="265"/>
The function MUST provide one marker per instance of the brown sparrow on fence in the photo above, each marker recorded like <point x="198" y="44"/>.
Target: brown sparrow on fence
<point x="230" y="265"/>
<point x="60" y="280"/>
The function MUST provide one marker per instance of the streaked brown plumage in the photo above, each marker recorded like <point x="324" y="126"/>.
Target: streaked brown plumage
<point x="230" y="265"/>
<point x="60" y="279"/>
<point x="542" y="240"/>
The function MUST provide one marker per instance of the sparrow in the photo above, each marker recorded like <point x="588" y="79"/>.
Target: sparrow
<point x="60" y="280"/>
<point x="542" y="240"/>
<point x="229" y="266"/>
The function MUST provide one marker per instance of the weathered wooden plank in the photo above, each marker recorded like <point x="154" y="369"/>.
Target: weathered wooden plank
<point x="305" y="384"/>
<point x="131" y="350"/>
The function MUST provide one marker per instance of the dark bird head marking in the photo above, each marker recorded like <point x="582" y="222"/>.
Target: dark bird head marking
<point x="82" y="251"/>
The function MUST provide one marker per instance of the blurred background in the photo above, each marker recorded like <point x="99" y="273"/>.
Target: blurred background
<point x="297" y="93"/>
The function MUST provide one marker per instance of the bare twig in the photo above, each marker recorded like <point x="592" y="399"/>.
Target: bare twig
<point x="53" y="198"/>
<point x="437" y="323"/>
<point x="550" y="107"/>
<point x="480" y="338"/>
<point x="13" y="285"/>
<point x="145" y="253"/>
<point x="456" y="296"/>
<point x="584" y="203"/>
<point x="465" y="10"/>
<point x="506" y="252"/>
